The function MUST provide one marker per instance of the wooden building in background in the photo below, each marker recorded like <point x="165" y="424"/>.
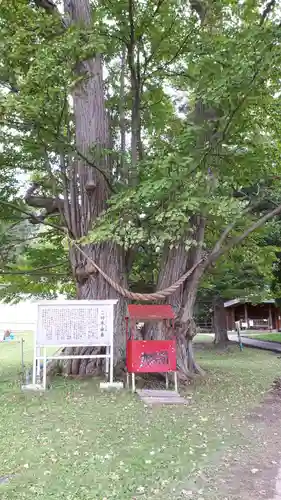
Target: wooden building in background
<point x="263" y="316"/>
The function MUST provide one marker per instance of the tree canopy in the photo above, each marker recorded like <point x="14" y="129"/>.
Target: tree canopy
<point x="140" y="130"/>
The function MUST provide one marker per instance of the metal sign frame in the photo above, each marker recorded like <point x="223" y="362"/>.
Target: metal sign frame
<point x="38" y="356"/>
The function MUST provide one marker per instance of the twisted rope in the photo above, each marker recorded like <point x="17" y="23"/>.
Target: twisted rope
<point x="161" y="294"/>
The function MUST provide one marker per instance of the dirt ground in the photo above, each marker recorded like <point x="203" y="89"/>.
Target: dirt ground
<point x="251" y="471"/>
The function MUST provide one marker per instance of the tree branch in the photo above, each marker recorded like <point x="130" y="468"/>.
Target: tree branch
<point x="231" y="226"/>
<point x="91" y="164"/>
<point x="27" y="125"/>
<point x="35" y="272"/>
<point x="50" y="8"/>
<point x="199" y="7"/>
<point x="222" y="133"/>
<point x="175" y="56"/>
<point x="26" y="241"/>
<point x="11" y="87"/>
<point x="30" y="216"/>
<point x="175" y="74"/>
<point x="240" y="104"/>
<point x="267" y="11"/>
<point x="47" y="5"/>
<point x="238" y="239"/>
<point x="31" y="273"/>
<point x="143" y="25"/>
<point x="51" y="205"/>
<point x="62" y="112"/>
<point x="41" y="268"/>
<point x="148" y="59"/>
<point x="157" y="8"/>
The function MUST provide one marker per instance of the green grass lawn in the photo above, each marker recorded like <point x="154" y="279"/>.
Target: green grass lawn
<point x="270" y="337"/>
<point x="77" y="443"/>
<point x="205" y="338"/>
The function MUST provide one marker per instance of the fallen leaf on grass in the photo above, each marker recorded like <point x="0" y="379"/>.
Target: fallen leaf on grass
<point x="254" y="471"/>
<point x="186" y="493"/>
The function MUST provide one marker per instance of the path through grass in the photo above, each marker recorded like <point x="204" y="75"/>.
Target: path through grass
<point x="268" y="337"/>
<point x="76" y="443"/>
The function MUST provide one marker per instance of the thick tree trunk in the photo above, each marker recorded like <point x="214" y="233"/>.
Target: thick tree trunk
<point x="174" y="263"/>
<point x="111" y="258"/>
<point x="124" y="172"/>
<point x="220" y="323"/>
<point x="187" y="330"/>
<point x="88" y="190"/>
<point x="135" y="77"/>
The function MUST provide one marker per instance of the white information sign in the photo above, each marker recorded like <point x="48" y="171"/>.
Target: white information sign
<point x="87" y="323"/>
<point x="73" y="323"/>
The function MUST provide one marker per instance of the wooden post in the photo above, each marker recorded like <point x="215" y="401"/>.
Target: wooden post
<point x="246" y="315"/>
<point x="270" y="317"/>
<point x="274" y="319"/>
<point x="232" y="318"/>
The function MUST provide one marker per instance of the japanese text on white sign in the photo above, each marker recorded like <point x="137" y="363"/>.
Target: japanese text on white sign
<point x="72" y="324"/>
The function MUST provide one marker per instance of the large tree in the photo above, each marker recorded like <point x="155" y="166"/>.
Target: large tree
<point x="191" y="193"/>
<point x="168" y="171"/>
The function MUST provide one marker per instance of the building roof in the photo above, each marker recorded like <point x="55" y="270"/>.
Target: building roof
<point x="150" y="312"/>
<point x="234" y="302"/>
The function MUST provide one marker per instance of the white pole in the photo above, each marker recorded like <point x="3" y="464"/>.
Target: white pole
<point x="111" y="364"/>
<point x="111" y="346"/>
<point x="38" y="354"/>
<point x="133" y="383"/>
<point x="34" y="363"/>
<point x="176" y="382"/>
<point x="107" y="362"/>
<point x="167" y="381"/>
<point x="22" y="360"/>
<point x="128" y="380"/>
<point x="45" y="369"/>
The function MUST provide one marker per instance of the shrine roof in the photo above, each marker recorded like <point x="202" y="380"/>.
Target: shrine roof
<point x="150" y="311"/>
<point x="235" y="302"/>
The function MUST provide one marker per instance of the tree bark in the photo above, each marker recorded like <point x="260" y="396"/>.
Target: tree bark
<point x="88" y="192"/>
<point x="109" y="257"/>
<point x="220" y="323"/>
<point x="135" y="77"/>
<point x="174" y="263"/>
<point x="124" y="172"/>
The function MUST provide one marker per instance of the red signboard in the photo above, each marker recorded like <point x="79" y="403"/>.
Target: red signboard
<point x="150" y="312"/>
<point x="150" y="356"/>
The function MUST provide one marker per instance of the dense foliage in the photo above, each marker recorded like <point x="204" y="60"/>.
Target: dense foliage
<point x="191" y="162"/>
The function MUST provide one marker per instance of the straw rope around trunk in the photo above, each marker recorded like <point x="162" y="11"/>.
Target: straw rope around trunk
<point x="158" y="295"/>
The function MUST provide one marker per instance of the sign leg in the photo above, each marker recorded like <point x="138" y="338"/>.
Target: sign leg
<point x="38" y="354"/>
<point x="107" y="363"/>
<point x="34" y="365"/>
<point x="167" y="381"/>
<point x="22" y="360"/>
<point x="45" y="369"/>
<point x="111" y="364"/>
<point x="133" y="383"/>
<point x="176" y="381"/>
